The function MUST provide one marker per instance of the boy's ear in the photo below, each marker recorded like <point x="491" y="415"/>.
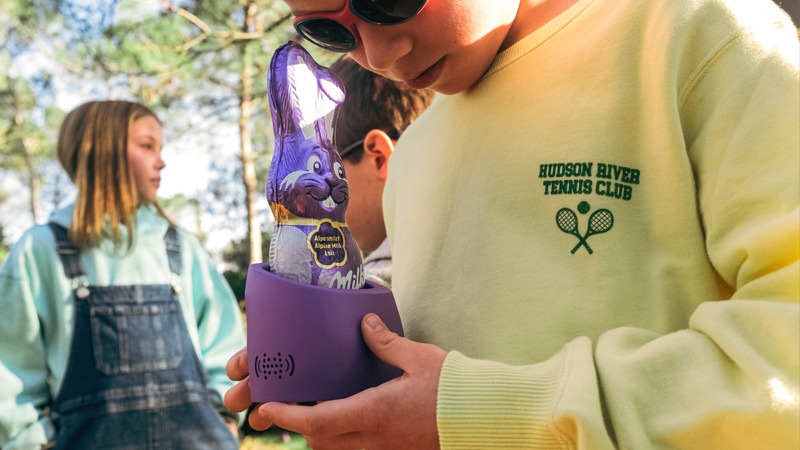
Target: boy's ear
<point x="378" y="147"/>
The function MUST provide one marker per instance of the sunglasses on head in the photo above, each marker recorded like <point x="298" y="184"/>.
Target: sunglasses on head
<point x="336" y="31"/>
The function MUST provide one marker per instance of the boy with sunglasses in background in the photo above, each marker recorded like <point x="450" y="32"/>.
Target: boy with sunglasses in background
<point x="375" y="112"/>
<point x="595" y="232"/>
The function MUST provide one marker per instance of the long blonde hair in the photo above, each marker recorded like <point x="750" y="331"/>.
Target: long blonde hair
<point x="93" y="150"/>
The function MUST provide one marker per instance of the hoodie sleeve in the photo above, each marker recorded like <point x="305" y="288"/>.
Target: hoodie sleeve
<point x="27" y="317"/>
<point x="217" y="317"/>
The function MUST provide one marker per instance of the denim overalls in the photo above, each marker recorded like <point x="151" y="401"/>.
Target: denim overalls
<point x="133" y="379"/>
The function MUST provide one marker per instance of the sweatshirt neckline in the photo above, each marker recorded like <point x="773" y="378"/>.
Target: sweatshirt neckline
<point x="537" y="38"/>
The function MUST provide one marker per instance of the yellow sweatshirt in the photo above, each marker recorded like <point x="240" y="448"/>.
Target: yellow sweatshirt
<point x="604" y="233"/>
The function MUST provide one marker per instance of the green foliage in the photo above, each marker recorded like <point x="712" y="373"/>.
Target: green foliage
<point x="236" y="280"/>
<point x="4" y="247"/>
<point x="200" y="64"/>
<point x="22" y="22"/>
<point x="26" y="102"/>
<point x="23" y="141"/>
<point x="237" y="256"/>
<point x="192" y="54"/>
<point x="23" y="99"/>
<point x="26" y="136"/>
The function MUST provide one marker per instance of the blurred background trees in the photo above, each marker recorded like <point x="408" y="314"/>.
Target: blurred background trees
<point x="200" y="64"/>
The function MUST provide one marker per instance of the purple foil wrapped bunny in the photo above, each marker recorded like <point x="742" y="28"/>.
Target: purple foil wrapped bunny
<point x="306" y="186"/>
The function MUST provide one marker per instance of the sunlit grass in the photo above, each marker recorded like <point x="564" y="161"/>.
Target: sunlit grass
<point x="274" y="440"/>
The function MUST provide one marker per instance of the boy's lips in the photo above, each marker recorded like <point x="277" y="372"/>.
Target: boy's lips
<point x="426" y="78"/>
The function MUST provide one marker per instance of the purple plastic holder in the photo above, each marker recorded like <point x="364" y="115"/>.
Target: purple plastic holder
<point x="304" y="342"/>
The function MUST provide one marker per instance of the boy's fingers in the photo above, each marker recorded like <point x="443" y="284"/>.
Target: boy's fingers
<point x="324" y="419"/>
<point x="385" y="344"/>
<point x="237" y="398"/>
<point x="236" y="368"/>
<point x="258" y="421"/>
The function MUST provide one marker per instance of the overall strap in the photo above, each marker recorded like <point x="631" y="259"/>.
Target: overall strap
<point x="70" y="255"/>
<point x="173" y="250"/>
<point x="67" y="251"/>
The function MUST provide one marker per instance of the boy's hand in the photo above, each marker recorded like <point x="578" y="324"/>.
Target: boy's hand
<point x="237" y="399"/>
<point x="400" y="413"/>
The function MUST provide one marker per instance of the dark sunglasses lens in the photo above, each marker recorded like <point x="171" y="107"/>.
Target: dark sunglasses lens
<point x="328" y="34"/>
<point x="386" y="12"/>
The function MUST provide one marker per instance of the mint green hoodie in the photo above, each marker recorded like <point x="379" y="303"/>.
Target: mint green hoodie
<point x="36" y="318"/>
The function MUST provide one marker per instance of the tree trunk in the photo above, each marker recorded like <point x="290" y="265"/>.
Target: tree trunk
<point x="30" y="171"/>
<point x="246" y="150"/>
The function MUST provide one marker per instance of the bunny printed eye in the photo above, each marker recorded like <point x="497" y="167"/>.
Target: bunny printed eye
<point x="314" y="164"/>
<point x="338" y="169"/>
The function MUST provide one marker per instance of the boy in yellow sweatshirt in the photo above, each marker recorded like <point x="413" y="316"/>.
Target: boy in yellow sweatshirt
<point x="596" y="231"/>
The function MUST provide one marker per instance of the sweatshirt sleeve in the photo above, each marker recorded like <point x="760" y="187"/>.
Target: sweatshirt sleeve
<point x="731" y="379"/>
<point x="219" y="322"/>
<point x="24" y="389"/>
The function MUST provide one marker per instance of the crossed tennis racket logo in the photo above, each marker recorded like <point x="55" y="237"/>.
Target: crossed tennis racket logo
<point x="600" y="221"/>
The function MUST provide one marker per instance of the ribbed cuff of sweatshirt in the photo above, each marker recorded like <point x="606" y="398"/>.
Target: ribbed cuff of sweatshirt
<point x="485" y="404"/>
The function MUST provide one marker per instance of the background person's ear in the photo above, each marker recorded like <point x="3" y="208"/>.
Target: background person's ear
<point x="378" y="147"/>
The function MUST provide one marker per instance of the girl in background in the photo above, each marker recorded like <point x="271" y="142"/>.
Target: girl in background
<point x="116" y="326"/>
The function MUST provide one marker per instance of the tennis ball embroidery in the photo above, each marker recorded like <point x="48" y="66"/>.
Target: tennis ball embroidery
<point x="600" y="221"/>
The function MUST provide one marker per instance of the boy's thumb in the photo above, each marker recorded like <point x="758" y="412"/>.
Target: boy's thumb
<point x="384" y="343"/>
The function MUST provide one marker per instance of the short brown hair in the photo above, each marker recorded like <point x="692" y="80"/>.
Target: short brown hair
<point x="373" y="102"/>
<point x="93" y="150"/>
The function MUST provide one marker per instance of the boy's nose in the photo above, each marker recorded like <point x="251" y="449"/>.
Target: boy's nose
<point x="383" y="46"/>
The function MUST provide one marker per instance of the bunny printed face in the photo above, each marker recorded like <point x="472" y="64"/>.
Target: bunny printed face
<point x="306" y="186"/>
<point x="314" y="185"/>
<point x="306" y="176"/>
